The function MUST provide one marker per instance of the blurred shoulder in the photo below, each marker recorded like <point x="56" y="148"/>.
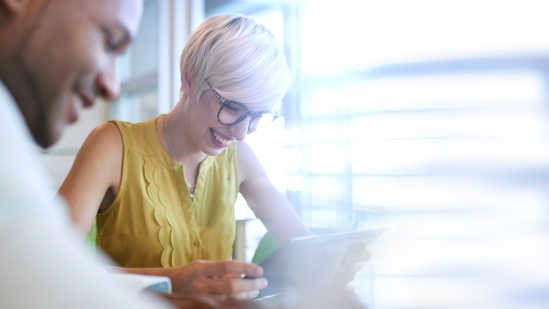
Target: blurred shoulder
<point x="107" y="133"/>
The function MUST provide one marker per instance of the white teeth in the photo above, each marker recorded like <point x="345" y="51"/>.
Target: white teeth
<point x="220" y="139"/>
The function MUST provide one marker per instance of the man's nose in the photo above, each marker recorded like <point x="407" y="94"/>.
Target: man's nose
<point x="107" y="84"/>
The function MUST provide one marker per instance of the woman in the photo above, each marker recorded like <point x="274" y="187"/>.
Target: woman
<point x="163" y="191"/>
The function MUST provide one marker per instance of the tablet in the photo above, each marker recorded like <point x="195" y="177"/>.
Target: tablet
<point x="308" y="261"/>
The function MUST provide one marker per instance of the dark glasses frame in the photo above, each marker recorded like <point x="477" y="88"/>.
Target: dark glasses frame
<point x="237" y="106"/>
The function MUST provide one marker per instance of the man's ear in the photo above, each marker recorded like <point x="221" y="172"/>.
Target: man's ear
<point x="13" y="6"/>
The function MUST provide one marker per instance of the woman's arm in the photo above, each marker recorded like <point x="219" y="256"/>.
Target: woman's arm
<point x="279" y="216"/>
<point x="268" y="204"/>
<point x="220" y="280"/>
<point x="95" y="175"/>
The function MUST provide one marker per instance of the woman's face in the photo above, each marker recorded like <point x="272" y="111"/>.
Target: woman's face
<point x="210" y="136"/>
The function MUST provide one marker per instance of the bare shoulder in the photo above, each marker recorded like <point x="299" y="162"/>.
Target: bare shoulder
<point x="248" y="163"/>
<point x="106" y="135"/>
<point x="243" y="150"/>
<point x="244" y="155"/>
<point x="103" y="148"/>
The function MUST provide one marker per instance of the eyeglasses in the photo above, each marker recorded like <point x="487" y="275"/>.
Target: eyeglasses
<point x="230" y="113"/>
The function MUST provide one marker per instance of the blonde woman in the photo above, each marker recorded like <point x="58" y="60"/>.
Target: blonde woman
<point x="163" y="191"/>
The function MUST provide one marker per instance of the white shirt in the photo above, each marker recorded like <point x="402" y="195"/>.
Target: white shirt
<point x="42" y="262"/>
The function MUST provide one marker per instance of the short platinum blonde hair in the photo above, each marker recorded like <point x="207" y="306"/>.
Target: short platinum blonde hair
<point x="239" y="58"/>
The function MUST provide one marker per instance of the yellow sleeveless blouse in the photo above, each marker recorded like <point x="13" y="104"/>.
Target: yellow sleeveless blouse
<point x="153" y="222"/>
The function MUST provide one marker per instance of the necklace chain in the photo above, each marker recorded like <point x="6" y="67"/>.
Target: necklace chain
<point x="191" y="190"/>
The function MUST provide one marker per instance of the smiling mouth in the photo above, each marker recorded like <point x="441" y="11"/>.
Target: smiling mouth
<point x="218" y="139"/>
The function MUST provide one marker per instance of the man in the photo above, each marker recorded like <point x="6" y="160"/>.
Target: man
<point x="54" y="56"/>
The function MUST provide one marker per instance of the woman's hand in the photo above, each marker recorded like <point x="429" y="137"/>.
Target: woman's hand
<point x="220" y="280"/>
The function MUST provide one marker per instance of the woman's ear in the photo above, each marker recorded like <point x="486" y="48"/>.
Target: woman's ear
<point x="185" y="83"/>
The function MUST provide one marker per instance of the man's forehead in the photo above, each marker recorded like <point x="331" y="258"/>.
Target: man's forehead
<point x="127" y="13"/>
<point x="130" y="14"/>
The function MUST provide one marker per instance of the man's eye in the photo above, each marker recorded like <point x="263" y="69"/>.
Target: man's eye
<point x="114" y="41"/>
<point x="112" y="44"/>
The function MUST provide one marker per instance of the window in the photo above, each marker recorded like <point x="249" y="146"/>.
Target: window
<point x="138" y="70"/>
<point x="429" y="118"/>
<point x="149" y="72"/>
